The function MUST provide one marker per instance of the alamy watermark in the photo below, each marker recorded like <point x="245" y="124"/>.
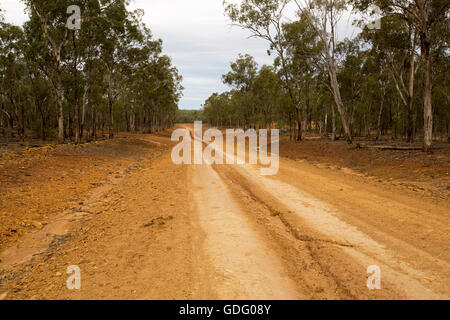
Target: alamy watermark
<point x="74" y="21"/>
<point x="236" y="147"/>
<point x="375" y="24"/>
<point x="374" y="280"/>
<point x="74" y="281"/>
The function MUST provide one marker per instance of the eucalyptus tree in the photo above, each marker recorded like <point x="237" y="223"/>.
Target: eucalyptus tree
<point x="243" y="73"/>
<point x="165" y="96"/>
<point x="14" y="81"/>
<point x="216" y="108"/>
<point x="376" y="87"/>
<point x="50" y="18"/>
<point x="396" y="41"/>
<point x="41" y="71"/>
<point x="267" y="90"/>
<point x="302" y="48"/>
<point x="98" y="71"/>
<point x="119" y="33"/>
<point x="323" y="16"/>
<point x="425" y="16"/>
<point x="91" y="36"/>
<point x="264" y="19"/>
<point x="441" y="80"/>
<point x="40" y="87"/>
<point x="254" y="100"/>
<point x="351" y="77"/>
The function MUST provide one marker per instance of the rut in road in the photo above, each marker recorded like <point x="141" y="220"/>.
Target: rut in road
<point x="402" y="277"/>
<point x="244" y="267"/>
<point x="205" y="232"/>
<point x="349" y="238"/>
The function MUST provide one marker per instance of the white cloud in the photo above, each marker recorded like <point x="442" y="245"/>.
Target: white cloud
<point x="13" y="11"/>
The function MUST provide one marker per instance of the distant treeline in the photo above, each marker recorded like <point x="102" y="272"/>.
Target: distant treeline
<point x="78" y="82"/>
<point x="189" y="116"/>
<point x="391" y="79"/>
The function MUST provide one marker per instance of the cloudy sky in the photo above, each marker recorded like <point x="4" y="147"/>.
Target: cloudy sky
<point x="197" y="36"/>
<point x="201" y="42"/>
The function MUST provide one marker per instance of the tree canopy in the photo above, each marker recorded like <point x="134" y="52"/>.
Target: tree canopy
<point x="388" y="81"/>
<point x="109" y="74"/>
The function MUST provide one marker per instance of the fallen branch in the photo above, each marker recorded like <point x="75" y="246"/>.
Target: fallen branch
<point x="396" y="148"/>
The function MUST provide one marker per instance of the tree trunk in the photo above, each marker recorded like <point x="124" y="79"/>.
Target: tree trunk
<point x="299" y="126"/>
<point x="338" y="100"/>
<point x="410" y="132"/>
<point x="332" y="73"/>
<point x="94" y="123"/>
<point x="305" y="111"/>
<point x="77" y="122"/>
<point x="22" y="122"/>
<point x="77" y="117"/>
<point x="352" y="118"/>
<point x="77" y="99"/>
<point x="58" y="85"/>
<point x="110" y="103"/>
<point x="448" y="132"/>
<point x="69" y="129"/>
<point x="380" y="114"/>
<point x="83" y="114"/>
<point x="133" y="120"/>
<point x="427" y="94"/>
<point x="291" y="127"/>
<point x="333" y="123"/>
<point x="90" y="106"/>
<point x="59" y="105"/>
<point x="2" y="123"/>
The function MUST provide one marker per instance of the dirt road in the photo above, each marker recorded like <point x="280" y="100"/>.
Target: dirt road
<point x="161" y="231"/>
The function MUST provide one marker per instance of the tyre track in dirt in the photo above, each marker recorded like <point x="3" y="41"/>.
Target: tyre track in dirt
<point x="225" y="232"/>
<point x="355" y="249"/>
<point x="219" y="196"/>
<point x="243" y="266"/>
<point x="318" y="225"/>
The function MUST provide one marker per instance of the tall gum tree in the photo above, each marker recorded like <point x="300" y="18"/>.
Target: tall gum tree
<point x="264" y="19"/>
<point x="302" y="50"/>
<point x="396" y="42"/>
<point x="323" y="15"/>
<point x="425" y="15"/>
<point x="53" y="17"/>
<point x="243" y="73"/>
<point x="118" y="34"/>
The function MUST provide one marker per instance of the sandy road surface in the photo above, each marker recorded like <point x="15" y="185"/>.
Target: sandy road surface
<point x="243" y="265"/>
<point x="407" y="271"/>
<point x="162" y="231"/>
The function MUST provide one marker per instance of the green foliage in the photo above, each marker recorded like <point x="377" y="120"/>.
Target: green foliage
<point x="111" y="74"/>
<point x="243" y="72"/>
<point x="189" y="116"/>
<point x="373" y="72"/>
